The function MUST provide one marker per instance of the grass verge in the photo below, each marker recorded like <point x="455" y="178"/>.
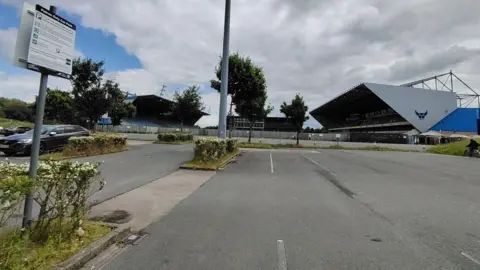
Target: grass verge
<point x="5" y="123"/>
<point x="17" y="252"/>
<point x="174" y="143"/>
<point x="210" y="166"/>
<point x="334" y="146"/>
<point x="78" y="154"/>
<point x="455" y="149"/>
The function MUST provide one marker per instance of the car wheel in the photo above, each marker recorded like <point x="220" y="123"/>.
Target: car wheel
<point x="42" y="149"/>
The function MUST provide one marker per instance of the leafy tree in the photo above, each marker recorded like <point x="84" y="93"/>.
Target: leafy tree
<point x="239" y="73"/>
<point x="86" y="74"/>
<point x="16" y="109"/>
<point x="250" y="99"/>
<point x="58" y="106"/>
<point x="187" y="104"/>
<point x="92" y="99"/>
<point x="120" y="109"/>
<point x="296" y="111"/>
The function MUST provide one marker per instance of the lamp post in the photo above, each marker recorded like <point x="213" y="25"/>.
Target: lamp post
<point x="222" y="117"/>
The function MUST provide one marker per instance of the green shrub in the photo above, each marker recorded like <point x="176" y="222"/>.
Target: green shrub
<point x="62" y="190"/>
<point x="175" y="137"/>
<point x="98" y="143"/>
<point x="14" y="185"/>
<point x="209" y="149"/>
<point x="232" y="145"/>
<point x="80" y="143"/>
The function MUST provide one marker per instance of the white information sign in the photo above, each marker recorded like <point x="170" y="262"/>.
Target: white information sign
<point x="52" y="43"/>
<point x="337" y="136"/>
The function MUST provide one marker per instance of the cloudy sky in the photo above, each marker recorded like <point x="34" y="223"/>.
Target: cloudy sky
<point x="318" y="48"/>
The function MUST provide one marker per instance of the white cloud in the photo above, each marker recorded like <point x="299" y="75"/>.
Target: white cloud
<point x="8" y="37"/>
<point x="317" y="48"/>
<point x="25" y="86"/>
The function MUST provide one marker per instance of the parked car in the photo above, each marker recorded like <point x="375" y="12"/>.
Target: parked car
<point x="53" y="137"/>
<point x="14" y="130"/>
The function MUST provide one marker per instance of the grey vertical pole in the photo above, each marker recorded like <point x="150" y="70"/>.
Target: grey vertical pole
<point x="451" y="81"/>
<point x="32" y="171"/>
<point x="222" y="118"/>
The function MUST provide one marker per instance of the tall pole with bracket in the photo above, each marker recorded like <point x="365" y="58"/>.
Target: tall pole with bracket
<point x="32" y="171"/>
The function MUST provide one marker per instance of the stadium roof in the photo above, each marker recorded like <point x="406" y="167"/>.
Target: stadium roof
<point x="408" y="102"/>
<point x="157" y="99"/>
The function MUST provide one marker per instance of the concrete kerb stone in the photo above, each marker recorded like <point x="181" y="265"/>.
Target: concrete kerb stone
<point x="86" y="254"/>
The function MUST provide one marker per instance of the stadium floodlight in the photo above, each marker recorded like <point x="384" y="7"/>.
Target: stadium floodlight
<point x="222" y="116"/>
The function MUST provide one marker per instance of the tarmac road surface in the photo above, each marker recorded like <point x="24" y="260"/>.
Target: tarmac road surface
<point x="326" y="209"/>
<point x="124" y="171"/>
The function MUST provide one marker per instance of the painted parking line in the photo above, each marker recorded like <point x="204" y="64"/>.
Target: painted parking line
<point x="470" y="257"/>
<point x="282" y="257"/>
<point x="271" y="162"/>
<point x="319" y="165"/>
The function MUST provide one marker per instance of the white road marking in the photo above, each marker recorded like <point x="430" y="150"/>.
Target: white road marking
<point x="316" y="163"/>
<point x="271" y="162"/>
<point x="470" y="257"/>
<point x="282" y="257"/>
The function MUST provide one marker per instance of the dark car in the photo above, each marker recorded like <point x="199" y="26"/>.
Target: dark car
<point x="53" y="137"/>
<point x="14" y="130"/>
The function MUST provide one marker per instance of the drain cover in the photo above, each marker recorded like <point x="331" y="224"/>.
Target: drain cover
<point x="117" y="217"/>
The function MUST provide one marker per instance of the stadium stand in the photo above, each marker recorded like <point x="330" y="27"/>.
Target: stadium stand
<point x="155" y="111"/>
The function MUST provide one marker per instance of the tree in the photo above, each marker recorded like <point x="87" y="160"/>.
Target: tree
<point x="239" y="72"/>
<point x="58" y="106"/>
<point x="187" y="104"/>
<point x="92" y="99"/>
<point x="120" y="110"/>
<point x="250" y="99"/>
<point x="297" y="112"/>
<point x="16" y="109"/>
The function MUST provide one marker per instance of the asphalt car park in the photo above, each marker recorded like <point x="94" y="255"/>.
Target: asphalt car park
<point x="124" y="171"/>
<point x="322" y="209"/>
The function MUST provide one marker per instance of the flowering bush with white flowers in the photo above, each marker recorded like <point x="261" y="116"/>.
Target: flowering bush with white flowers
<point x="12" y="192"/>
<point x="61" y="188"/>
<point x="208" y="149"/>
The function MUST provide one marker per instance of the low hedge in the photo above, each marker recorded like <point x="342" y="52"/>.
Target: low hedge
<point x="175" y="137"/>
<point x="232" y="145"/>
<point x="210" y="149"/>
<point x="96" y="143"/>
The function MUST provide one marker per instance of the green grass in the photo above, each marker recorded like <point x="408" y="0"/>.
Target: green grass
<point x="212" y="166"/>
<point x="5" y="123"/>
<point x="174" y="143"/>
<point x="334" y="146"/>
<point x="17" y="252"/>
<point x="456" y="148"/>
<point x="274" y="146"/>
<point x="78" y="154"/>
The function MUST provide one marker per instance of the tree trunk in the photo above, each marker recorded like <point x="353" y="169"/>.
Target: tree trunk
<point x="230" y="128"/>
<point x="181" y="126"/>
<point x="298" y="132"/>
<point x="250" y="132"/>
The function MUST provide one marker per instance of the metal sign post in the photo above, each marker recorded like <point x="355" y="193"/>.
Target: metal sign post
<point x="34" y="153"/>
<point x="46" y="44"/>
